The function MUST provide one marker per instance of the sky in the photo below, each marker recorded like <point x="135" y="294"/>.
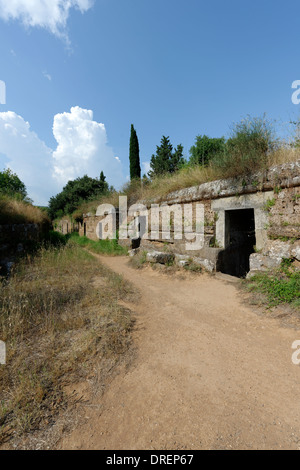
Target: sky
<point x="78" y="73"/>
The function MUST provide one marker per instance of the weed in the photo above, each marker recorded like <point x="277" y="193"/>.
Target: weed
<point x="55" y="321"/>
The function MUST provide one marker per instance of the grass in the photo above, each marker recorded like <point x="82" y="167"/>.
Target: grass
<point x="60" y="318"/>
<point x="103" y="247"/>
<point x="14" y="211"/>
<point x="139" y="260"/>
<point x="279" y="287"/>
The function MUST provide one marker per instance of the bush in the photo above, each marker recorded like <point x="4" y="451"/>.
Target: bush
<point x="247" y="149"/>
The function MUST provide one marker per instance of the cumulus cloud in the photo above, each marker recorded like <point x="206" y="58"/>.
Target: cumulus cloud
<point x="146" y="168"/>
<point x="28" y="156"/>
<point x="81" y="149"/>
<point x="48" y="14"/>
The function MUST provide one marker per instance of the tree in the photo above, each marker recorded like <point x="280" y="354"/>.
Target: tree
<point x="11" y="185"/>
<point x="205" y="149"/>
<point x="165" y="160"/>
<point x="134" y="155"/>
<point x="102" y="177"/>
<point x="75" y="192"/>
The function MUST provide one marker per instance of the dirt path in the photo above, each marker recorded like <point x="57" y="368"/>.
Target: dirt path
<point x="209" y="374"/>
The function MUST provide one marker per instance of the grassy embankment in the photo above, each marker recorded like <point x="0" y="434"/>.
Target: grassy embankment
<point x="60" y="318"/>
<point x="15" y="211"/>
<point x="190" y="176"/>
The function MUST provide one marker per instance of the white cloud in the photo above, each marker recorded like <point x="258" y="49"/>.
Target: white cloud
<point x="82" y="149"/>
<point x="48" y="14"/>
<point x="145" y="168"/>
<point x="28" y="156"/>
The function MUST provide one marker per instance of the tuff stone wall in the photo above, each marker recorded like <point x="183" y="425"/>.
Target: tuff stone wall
<point x="66" y="226"/>
<point x="274" y="198"/>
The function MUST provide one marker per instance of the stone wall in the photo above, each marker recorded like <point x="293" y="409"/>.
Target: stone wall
<point x="66" y="226"/>
<point x="271" y="198"/>
<point x="274" y="197"/>
<point x="14" y="239"/>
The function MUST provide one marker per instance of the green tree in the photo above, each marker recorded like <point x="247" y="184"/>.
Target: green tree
<point x="11" y="185"/>
<point x="166" y="160"/>
<point x="134" y="155"/>
<point x="75" y="192"/>
<point x="205" y="149"/>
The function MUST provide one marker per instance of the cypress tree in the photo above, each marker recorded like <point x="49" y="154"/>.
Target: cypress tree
<point x="134" y="155"/>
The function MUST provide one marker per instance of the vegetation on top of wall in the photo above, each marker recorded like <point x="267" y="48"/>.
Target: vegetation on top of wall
<point x="205" y="149"/>
<point x="16" y="211"/>
<point x="251" y="147"/>
<point x="15" y="206"/>
<point x="251" y="142"/>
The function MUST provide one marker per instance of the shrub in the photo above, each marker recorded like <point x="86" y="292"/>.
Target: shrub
<point x="247" y="149"/>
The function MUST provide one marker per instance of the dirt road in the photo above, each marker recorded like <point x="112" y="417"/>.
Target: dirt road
<point x="209" y="373"/>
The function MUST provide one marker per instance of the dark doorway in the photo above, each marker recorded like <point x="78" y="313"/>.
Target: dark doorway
<point x="240" y="242"/>
<point x="84" y="230"/>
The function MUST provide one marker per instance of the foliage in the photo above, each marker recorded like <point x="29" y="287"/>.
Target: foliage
<point x="11" y="185"/>
<point x="205" y="149"/>
<point x="248" y="148"/>
<point x="166" y="160"/>
<point x="74" y="193"/>
<point x="134" y="155"/>
<point x="221" y="166"/>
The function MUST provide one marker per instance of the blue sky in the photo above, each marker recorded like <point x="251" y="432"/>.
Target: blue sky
<point x="171" y="67"/>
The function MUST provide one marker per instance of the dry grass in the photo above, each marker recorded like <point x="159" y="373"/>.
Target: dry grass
<point x="14" y="211"/>
<point x="59" y="315"/>
<point x="283" y="155"/>
<point x="160" y="187"/>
